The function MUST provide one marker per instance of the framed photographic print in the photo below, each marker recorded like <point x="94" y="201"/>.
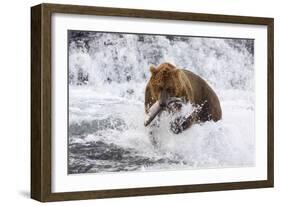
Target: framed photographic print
<point x="128" y="102"/>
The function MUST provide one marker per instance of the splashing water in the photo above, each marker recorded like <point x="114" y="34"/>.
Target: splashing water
<point x="107" y="76"/>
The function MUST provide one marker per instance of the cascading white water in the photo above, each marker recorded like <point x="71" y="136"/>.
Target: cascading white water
<point x="107" y="76"/>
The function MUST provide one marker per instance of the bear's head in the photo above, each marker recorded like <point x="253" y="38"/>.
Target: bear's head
<point x="165" y="82"/>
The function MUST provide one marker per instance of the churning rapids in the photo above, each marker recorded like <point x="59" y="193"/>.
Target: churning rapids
<point x="107" y="77"/>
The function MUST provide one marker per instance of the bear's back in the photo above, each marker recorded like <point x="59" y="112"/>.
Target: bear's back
<point x="202" y="93"/>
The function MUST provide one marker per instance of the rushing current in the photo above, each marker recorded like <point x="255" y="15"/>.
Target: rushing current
<point x="108" y="73"/>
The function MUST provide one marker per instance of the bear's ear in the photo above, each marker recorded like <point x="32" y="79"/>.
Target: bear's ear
<point x="152" y="70"/>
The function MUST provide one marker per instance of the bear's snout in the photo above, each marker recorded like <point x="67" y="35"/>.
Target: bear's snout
<point x="163" y="98"/>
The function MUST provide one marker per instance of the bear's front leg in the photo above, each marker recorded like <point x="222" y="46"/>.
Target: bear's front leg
<point x="154" y="139"/>
<point x="181" y="123"/>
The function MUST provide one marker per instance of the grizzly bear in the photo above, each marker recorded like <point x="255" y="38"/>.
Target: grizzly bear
<point x="168" y="81"/>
